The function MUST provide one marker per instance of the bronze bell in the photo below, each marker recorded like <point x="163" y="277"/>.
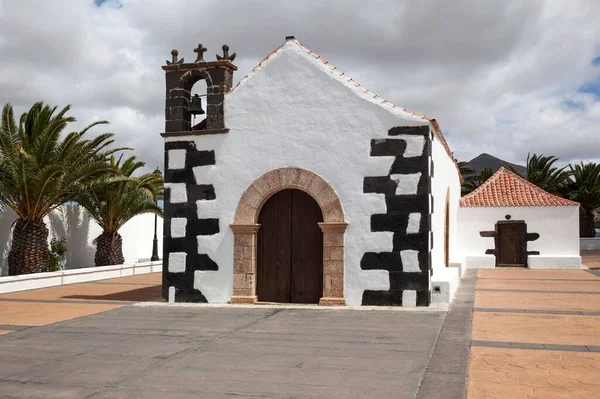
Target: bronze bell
<point x="195" y="107"/>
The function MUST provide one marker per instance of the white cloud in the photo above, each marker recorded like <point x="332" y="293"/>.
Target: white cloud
<point x="501" y="77"/>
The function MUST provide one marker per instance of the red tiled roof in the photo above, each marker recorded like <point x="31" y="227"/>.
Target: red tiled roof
<point x="507" y="189"/>
<point x="434" y="124"/>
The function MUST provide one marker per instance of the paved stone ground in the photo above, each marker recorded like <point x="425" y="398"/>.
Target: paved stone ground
<point x="19" y="310"/>
<point x="536" y="334"/>
<point x="591" y="259"/>
<point x="87" y="341"/>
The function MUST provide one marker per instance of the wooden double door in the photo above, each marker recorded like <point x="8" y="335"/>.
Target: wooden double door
<point x="512" y="249"/>
<point x="290" y="249"/>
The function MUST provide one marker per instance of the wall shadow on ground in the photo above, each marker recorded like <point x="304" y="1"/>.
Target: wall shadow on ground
<point x="145" y="294"/>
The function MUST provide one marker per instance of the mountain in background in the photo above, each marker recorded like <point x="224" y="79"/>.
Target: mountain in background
<point x="488" y="161"/>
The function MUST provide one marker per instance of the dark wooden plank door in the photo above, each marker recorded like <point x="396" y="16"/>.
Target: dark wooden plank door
<point x="290" y="249"/>
<point x="511" y="244"/>
<point x="307" y="249"/>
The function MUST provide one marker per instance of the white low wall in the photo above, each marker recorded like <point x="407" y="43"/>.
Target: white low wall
<point x="589" y="244"/>
<point x="444" y="283"/>
<point x="63" y="277"/>
<point x="480" y="262"/>
<point x="74" y="224"/>
<point x="553" y="262"/>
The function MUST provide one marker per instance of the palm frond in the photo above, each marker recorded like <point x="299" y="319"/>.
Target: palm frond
<point x="39" y="168"/>
<point x="122" y="196"/>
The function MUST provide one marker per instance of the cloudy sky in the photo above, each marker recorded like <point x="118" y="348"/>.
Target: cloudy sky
<point x="503" y="77"/>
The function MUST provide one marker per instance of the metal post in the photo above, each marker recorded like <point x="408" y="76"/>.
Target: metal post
<point x="155" y="243"/>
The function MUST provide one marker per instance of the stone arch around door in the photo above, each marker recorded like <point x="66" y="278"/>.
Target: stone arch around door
<point x="245" y="229"/>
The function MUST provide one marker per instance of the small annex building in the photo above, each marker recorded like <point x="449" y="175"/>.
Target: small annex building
<point x="508" y="221"/>
<point x="302" y="186"/>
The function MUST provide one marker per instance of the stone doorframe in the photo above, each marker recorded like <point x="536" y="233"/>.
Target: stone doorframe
<point x="245" y="229"/>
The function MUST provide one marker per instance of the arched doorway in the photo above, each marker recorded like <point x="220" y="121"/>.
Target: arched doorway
<point x="245" y="228"/>
<point x="290" y="249"/>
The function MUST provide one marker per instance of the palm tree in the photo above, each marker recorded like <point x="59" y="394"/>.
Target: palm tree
<point x="474" y="181"/>
<point x="464" y="169"/>
<point x="117" y="201"/>
<point x="39" y="171"/>
<point x="542" y="172"/>
<point x="585" y="189"/>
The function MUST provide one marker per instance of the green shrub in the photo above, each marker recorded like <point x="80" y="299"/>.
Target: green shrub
<point x="58" y="250"/>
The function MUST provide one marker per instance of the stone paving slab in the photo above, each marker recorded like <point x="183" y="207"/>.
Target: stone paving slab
<point x="591" y="259"/>
<point x="535" y="344"/>
<point x="527" y="345"/>
<point x="530" y="274"/>
<point x="223" y="352"/>
<point x="526" y="373"/>
<point x="546" y="291"/>
<point x="536" y="284"/>
<point x="36" y="314"/>
<point x="537" y="328"/>
<point x="54" y="304"/>
<point x="539" y="311"/>
<point x="91" y="291"/>
<point x="527" y="300"/>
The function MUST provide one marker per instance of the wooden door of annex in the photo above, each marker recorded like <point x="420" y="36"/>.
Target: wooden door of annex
<point x="511" y="244"/>
<point x="290" y="249"/>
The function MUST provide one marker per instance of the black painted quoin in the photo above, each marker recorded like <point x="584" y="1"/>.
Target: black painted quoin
<point x="180" y="78"/>
<point x="395" y="220"/>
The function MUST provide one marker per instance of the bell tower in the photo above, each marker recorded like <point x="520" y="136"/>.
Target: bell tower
<point x="191" y="221"/>
<point x="181" y="77"/>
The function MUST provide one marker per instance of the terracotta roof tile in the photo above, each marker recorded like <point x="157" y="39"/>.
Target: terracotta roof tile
<point x="507" y="189"/>
<point x="434" y="124"/>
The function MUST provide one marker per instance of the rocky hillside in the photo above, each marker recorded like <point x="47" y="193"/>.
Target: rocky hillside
<point x="488" y="161"/>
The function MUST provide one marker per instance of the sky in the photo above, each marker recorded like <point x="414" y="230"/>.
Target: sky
<point x="502" y="77"/>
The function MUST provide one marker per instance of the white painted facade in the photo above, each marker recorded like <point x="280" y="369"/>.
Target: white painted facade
<point x="558" y="227"/>
<point x="445" y="185"/>
<point x="296" y="112"/>
<point x="73" y="223"/>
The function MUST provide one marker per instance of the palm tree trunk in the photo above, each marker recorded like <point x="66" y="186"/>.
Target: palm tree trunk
<point x="29" y="252"/>
<point x="586" y="223"/>
<point x="109" y="249"/>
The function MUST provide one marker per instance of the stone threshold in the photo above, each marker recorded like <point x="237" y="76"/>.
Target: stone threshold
<point x="539" y="291"/>
<point x="540" y="279"/>
<point x="432" y="308"/>
<point x="446" y="373"/>
<point x="538" y="346"/>
<point x="539" y="311"/>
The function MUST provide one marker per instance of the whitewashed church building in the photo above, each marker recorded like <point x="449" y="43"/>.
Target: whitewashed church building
<point x="302" y="186"/>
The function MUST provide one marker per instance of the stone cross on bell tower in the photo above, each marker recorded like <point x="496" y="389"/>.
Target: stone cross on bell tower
<point x="190" y="200"/>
